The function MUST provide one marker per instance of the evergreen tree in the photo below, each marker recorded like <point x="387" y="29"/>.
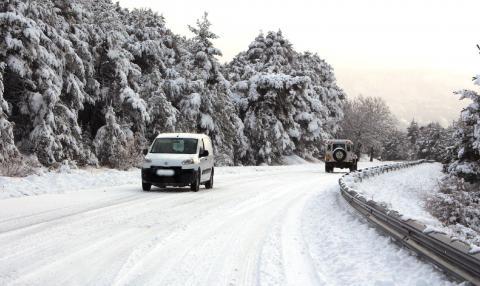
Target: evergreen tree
<point x="77" y="73"/>
<point x="8" y="150"/>
<point x="289" y="102"/>
<point x="467" y="164"/>
<point x="395" y="147"/>
<point x="206" y="102"/>
<point x="413" y="132"/>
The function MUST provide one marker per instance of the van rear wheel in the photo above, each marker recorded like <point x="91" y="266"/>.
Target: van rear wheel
<point x="209" y="183"/>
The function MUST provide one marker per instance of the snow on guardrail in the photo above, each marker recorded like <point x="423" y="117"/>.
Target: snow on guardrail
<point x="452" y="255"/>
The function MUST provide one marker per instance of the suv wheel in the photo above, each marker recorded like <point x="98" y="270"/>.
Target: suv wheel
<point x="339" y="155"/>
<point x="328" y="168"/>
<point x="195" y="186"/>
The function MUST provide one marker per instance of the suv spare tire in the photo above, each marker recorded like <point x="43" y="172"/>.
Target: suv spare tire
<point x="339" y="155"/>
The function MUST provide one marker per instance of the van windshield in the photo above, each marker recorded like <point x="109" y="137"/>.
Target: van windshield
<point x="175" y="146"/>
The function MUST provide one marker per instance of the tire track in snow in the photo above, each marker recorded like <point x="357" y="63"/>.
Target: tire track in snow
<point x="280" y="226"/>
<point x="47" y="222"/>
<point x="184" y="251"/>
<point x="346" y="250"/>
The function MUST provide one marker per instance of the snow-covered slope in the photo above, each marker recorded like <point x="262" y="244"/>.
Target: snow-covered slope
<point x="408" y="191"/>
<point x="405" y="190"/>
<point x="283" y="225"/>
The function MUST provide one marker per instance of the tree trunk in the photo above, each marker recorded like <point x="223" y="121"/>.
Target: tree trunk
<point x="371" y="154"/>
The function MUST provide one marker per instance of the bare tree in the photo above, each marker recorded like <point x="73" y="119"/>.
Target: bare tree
<point x="367" y="122"/>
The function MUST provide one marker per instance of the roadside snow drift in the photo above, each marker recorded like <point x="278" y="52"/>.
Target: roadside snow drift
<point x="405" y="190"/>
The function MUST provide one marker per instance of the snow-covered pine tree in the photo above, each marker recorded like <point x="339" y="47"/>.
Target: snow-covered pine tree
<point x="412" y="136"/>
<point x="458" y="202"/>
<point x="153" y="47"/>
<point x="429" y="143"/>
<point x="269" y="116"/>
<point x="282" y="97"/>
<point x="321" y="106"/>
<point x="118" y="77"/>
<point x="71" y="65"/>
<point x="116" y="146"/>
<point x="395" y="147"/>
<point x="8" y="151"/>
<point x="32" y="77"/>
<point x="204" y="101"/>
<point x="413" y="132"/>
<point x="467" y="164"/>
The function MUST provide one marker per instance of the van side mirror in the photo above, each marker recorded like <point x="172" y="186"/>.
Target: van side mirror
<point x="145" y="151"/>
<point x="204" y="153"/>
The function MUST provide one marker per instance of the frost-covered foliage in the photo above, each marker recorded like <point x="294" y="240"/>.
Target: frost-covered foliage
<point x="8" y="150"/>
<point x="369" y="123"/>
<point x="458" y="204"/>
<point x="115" y="144"/>
<point x="289" y="102"/>
<point x="394" y="147"/>
<point x="467" y="162"/>
<point x="430" y="141"/>
<point x="433" y="142"/>
<point x="77" y="73"/>
<point x="206" y="100"/>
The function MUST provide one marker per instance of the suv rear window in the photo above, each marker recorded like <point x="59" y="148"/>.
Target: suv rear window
<point x="337" y="145"/>
<point x="175" y="146"/>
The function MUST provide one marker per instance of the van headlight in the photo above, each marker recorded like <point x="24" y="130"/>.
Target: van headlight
<point x="188" y="162"/>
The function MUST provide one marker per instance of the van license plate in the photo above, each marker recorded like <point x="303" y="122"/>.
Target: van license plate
<point x="165" y="172"/>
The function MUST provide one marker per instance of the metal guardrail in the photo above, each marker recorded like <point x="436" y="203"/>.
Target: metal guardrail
<point x="451" y="255"/>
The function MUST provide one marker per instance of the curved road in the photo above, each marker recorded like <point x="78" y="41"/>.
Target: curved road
<point x="258" y="226"/>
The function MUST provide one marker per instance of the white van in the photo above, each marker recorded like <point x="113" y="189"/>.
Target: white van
<point x="179" y="160"/>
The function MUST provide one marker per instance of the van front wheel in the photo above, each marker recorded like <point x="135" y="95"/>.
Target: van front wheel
<point x="195" y="186"/>
<point x="209" y="184"/>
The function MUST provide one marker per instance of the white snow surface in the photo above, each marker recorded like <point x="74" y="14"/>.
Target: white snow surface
<point x="280" y="225"/>
<point x="405" y="190"/>
<point x="65" y="180"/>
<point x="296" y="160"/>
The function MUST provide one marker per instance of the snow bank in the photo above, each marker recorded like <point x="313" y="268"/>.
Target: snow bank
<point x="293" y="160"/>
<point x="366" y="158"/>
<point x="347" y="251"/>
<point x="406" y="191"/>
<point x="66" y="180"/>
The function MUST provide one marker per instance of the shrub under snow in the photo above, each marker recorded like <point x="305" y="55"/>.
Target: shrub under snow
<point x="458" y="205"/>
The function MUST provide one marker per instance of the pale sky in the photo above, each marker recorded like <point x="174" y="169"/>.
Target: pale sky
<point x="412" y="53"/>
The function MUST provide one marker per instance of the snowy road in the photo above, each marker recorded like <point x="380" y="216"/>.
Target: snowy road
<point x="259" y="225"/>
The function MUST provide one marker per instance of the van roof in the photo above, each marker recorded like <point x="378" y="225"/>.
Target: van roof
<point x="181" y="135"/>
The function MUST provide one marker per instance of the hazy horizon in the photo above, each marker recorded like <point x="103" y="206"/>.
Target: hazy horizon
<point x="414" y="55"/>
